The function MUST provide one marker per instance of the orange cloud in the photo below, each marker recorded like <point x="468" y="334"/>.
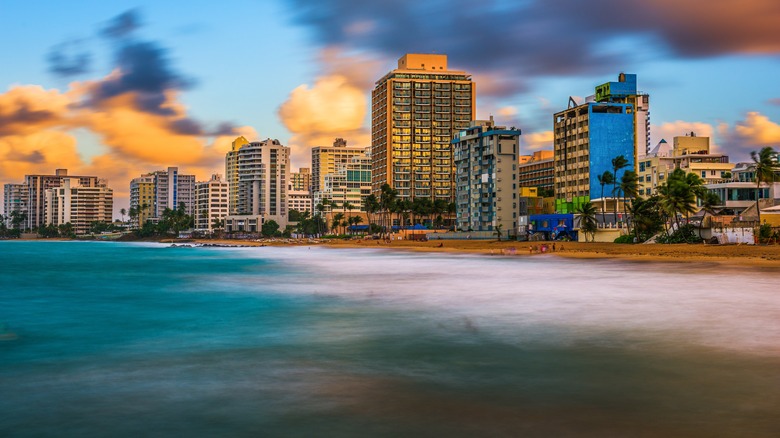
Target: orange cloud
<point x="758" y="130"/>
<point x="536" y="141"/>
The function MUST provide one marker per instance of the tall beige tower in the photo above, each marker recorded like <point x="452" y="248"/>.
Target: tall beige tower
<point x="415" y="110"/>
<point x="231" y="172"/>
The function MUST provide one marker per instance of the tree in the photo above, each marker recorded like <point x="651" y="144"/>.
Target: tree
<point x="765" y="162"/>
<point x="123" y="212"/>
<point x="647" y="217"/>
<point x="17" y="218"/>
<point x="679" y="192"/>
<point x="588" y="224"/>
<point x="67" y="230"/>
<point x="269" y="228"/>
<point x="618" y="163"/>
<point x="629" y="187"/>
<point x="605" y="179"/>
<point x="47" y="231"/>
<point x="370" y="206"/>
<point x="387" y="197"/>
<point x="336" y="222"/>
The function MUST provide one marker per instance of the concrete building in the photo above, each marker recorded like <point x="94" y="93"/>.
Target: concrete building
<point x="171" y="189"/>
<point x="689" y="153"/>
<point x="211" y="203"/>
<point x="300" y="201"/>
<point x="231" y="172"/>
<point x="30" y="196"/>
<point x="738" y="193"/>
<point x="327" y="159"/>
<point x="14" y="199"/>
<point x="586" y="139"/>
<point x="78" y="205"/>
<point x="625" y="91"/>
<point x="415" y="111"/>
<point x="538" y="171"/>
<point x="159" y="190"/>
<point x="263" y="178"/>
<point x="486" y="176"/>
<point x="351" y="183"/>
<point x="142" y="198"/>
<point x="300" y="181"/>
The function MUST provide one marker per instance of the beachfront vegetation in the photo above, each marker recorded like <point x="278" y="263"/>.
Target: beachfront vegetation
<point x="588" y="224"/>
<point x="765" y="162"/>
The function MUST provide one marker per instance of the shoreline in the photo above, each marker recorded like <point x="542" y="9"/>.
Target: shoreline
<point x="756" y="256"/>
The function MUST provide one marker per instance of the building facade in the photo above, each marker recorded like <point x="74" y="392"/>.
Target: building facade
<point x="30" y="196"/>
<point x="415" y="110"/>
<point x="689" y="153"/>
<point x="586" y="139"/>
<point x="231" y="172"/>
<point x="625" y="91"/>
<point x="141" y="199"/>
<point x="78" y="205"/>
<point x="350" y="183"/>
<point x="486" y="176"/>
<point x="211" y="203"/>
<point x="263" y="170"/>
<point x="300" y="181"/>
<point x="327" y="159"/>
<point x="538" y="171"/>
<point x="171" y="189"/>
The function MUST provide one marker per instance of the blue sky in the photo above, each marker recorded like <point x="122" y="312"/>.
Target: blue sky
<point x="288" y="69"/>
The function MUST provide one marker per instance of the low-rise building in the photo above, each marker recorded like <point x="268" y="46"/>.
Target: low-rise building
<point x="538" y="171"/>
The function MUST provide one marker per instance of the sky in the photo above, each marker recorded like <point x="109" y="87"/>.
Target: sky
<point x="121" y="88"/>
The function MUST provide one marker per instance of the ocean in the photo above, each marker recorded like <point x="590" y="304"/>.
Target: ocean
<point x="135" y="339"/>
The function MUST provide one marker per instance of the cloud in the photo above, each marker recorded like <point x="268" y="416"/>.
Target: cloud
<point x="135" y="110"/>
<point x="507" y="111"/>
<point x="69" y="58"/>
<point x="123" y="25"/>
<point x="331" y="108"/>
<point x="751" y="133"/>
<point x="535" y="38"/>
<point x="775" y="101"/>
<point x="536" y="141"/>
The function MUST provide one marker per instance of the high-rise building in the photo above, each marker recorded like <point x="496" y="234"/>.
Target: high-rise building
<point x="486" y="176"/>
<point x="537" y="171"/>
<point x="153" y="192"/>
<point x="415" y="110"/>
<point x="263" y="170"/>
<point x="30" y="195"/>
<point x="231" y="171"/>
<point x="171" y="189"/>
<point x="327" y="159"/>
<point x="14" y="199"/>
<point x="625" y="91"/>
<point x="141" y="199"/>
<point x="587" y="138"/>
<point x="78" y="205"/>
<point x="211" y="203"/>
<point x="349" y="183"/>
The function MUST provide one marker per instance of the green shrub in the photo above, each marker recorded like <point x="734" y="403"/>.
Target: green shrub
<point x="626" y="238"/>
<point x="685" y="234"/>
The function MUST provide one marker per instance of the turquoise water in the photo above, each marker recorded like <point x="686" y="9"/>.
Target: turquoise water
<point x="138" y="339"/>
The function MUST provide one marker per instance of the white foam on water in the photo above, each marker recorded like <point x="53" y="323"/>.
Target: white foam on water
<point x="514" y="297"/>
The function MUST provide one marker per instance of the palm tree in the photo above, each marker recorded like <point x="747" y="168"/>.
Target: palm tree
<point x="604" y="179"/>
<point x="336" y="223"/>
<point x="679" y="192"/>
<point x="629" y="187"/>
<point x="387" y="198"/>
<point x="371" y="206"/>
<point x="588" y="225"/>
<point x="452" y="208"/>
<point x="123" y="212"/>
<point x="618" y="163"/>
<point x="765" y="162"/>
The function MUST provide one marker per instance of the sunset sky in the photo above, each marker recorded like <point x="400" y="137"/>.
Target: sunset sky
<point x="120" y="88"/>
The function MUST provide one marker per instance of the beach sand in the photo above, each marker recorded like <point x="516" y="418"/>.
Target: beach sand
<point x="738" y="255"/>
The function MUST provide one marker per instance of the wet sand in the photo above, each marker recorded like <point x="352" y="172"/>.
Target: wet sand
<point x="739" y="255"/>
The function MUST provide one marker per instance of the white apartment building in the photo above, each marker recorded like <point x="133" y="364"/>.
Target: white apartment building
<point x="211" y="203"/>
<point x="78" y="205"/>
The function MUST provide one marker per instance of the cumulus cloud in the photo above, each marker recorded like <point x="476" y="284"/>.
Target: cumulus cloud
<point x="757" y="130"/>
<point x="135" y="110"/>
<point x="536" y="38"/>
<point x="536" y="141"/>
<point x="332" y="107"/>
<point x="69" y="58"/>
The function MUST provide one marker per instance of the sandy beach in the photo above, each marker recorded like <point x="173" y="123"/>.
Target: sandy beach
<point x="739" y="255"/>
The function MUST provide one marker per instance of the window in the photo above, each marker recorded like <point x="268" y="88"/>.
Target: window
<point x="703" y="173"/>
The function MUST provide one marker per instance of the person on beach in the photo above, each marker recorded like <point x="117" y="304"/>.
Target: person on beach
<point x="553" y="247"/>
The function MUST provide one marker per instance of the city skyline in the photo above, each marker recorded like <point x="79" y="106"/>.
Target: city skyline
<point x="117" y="90"/>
